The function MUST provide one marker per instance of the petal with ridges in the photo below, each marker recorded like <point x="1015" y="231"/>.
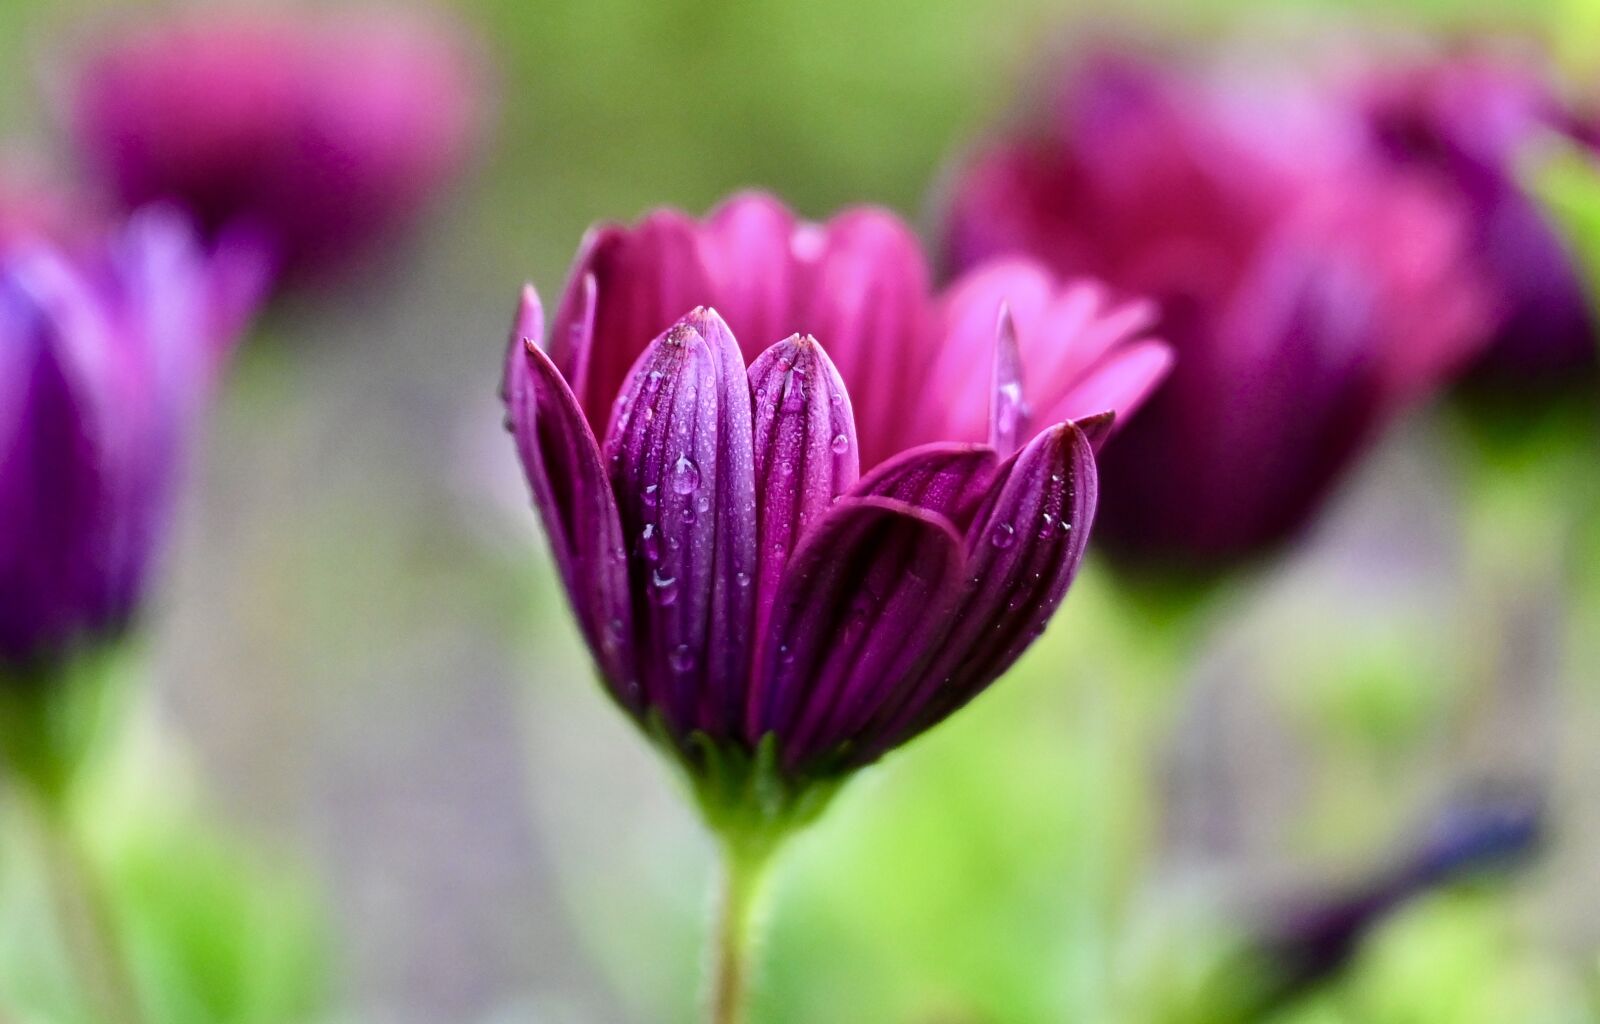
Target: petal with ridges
<point x="575" y="502"/>
<point x="662" y="453"/>
<point x="732" y="505"/>
<point x="949" y="478"/>
<point x="857" y="612"/>
<point x="1022" y="554"/>
<point x="805" y="451"/>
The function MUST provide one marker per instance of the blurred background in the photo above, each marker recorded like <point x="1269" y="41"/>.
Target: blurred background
<point x="362" y="663"/>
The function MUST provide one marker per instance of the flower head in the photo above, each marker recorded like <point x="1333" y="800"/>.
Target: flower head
<point x="324" y="137"/>
<point x="1473" y="121"/>
<point x="1310" y="292"/>
<point x="700" y="472"/>
<point x="104" y="356"/>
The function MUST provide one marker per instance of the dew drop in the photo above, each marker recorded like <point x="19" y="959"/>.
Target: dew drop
<point x="665" y="588"/>
<point x="685" y="475"/>
<point x="743" y="579"/>
<point x="651" y="496"/>
<point x="1003" y="536"/>
<point x="1046" y="522"/>
<point x="650" y="543"/>
<point x="841" y="444"/>
<point x="681" y="659"/>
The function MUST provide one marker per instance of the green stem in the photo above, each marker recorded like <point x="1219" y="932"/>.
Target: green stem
<point x="85" y="917"/>
<point x="744" y="871"/>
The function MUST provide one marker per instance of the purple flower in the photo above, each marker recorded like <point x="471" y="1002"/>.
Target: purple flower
<point x="1311" y="292"/>
<point x="1471" y="121"/>
<point x="1311" y="940"/>
<point x="700" y="473"/>
<point x="325" y="137"/>
<point x="104" y="357"/>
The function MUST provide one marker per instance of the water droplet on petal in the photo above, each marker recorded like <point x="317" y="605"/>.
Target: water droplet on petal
<point x="1003" y="536"/>
<point x="665" y="589"/>
<point x="652" y="497"/>
<point x="650" y="543"/>
<point x="743" y="579"/>
<point x="841" y="444"/>
<point x="681" y="659"/>
<point x="685" y="475"/>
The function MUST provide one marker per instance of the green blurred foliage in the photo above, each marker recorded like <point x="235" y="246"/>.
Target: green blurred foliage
<point x="213" y="930"/>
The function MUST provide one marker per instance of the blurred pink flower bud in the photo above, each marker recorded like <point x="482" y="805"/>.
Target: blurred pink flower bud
<point x="324" y="134"/>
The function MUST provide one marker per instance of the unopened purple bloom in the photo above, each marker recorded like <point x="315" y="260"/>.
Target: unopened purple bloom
<point x="1310" y="291"/>
<point x="833" y="508"/>
<point x="323" y="135"/>
<point x="1311" y="940"/>
<point x="1473" y="121"/>
<point x="104" y="357"/>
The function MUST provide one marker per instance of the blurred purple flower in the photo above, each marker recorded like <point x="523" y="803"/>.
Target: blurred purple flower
<point x="1310" y="940"/>
<point x="735" y="574"/>
<point x="1469" y="121"/>
<point x="104" y="356"/>
<point x="325" y="135"/>
<point x="1310" y="292"/>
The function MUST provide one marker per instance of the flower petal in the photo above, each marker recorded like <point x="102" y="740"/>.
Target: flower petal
<point x="732" y="506"/>
<point x="575" y="502"/>
<point x="949" y="478"/>
<point x="749" y="253"/>
<point x="805" y="451"/>
<point x="867" y="302"/>
<point x="857" y="613"/>
<point x="1119" y="385"/>
<point x="644" y="279"/>
<point x="679" y="455"/>
<point x="1022" y="554"/>
<point x="969" y="317"/>
<point x="1008" y="409"/>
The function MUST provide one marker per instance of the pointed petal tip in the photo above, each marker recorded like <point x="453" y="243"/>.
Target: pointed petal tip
<point x="530" y="314"/>
<point x="1097" y="428"/>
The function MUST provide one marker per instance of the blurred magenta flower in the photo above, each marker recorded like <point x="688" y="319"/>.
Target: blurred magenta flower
<point x="104" y="356"/>
<point x="323" y="134"/>
<point x="1310" y="291"/>
<point x="1474" y="122"/>
<point x="737" y="576"/>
